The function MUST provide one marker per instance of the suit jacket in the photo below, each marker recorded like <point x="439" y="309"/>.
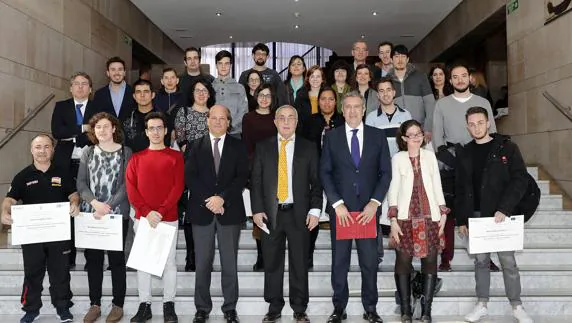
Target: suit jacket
<point x="306" y="186"/>
<point x="202" y="181"/>
<point x="341" y="178"/>
<point x="64" y="126"/>
<point x="102" y="99"/>
<point x="401" y="186"/>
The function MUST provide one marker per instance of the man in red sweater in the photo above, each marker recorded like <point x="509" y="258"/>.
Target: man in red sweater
<point x="155" y="181"/>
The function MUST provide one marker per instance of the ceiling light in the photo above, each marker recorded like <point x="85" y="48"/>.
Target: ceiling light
<point x="185" y="36"/>
<point x="180" y="30"/>
<point x="230" y="37"/>
<point x="218" y="14"/>
<point x="407" y="36"/>
<point x="296" y="14"/>
<point x="296" y="26"/>
<point x="296" y="0"/>
<point x="362" y="36"/>
<point x="374" y="13"/>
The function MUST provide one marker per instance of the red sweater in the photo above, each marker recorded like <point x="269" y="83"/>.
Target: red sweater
<point x="155" y="181"/>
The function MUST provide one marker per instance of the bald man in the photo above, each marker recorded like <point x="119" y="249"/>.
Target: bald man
<point x="216" y="172"/>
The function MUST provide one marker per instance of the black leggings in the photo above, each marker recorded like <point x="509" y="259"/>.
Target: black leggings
<point x="403" y="263"/>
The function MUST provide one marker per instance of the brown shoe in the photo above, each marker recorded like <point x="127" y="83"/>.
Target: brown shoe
<point x="115" y="315"/>
<point x="92" y="315"/>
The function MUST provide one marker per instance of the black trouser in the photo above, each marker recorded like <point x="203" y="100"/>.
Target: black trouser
<point x="403" y="263"/>
<point x="312" y="246"/>
<point x="188" y="230"/>
<point x="116" y="259"/>
<point x="37" y="257"/>
<point x="274" y="252"/>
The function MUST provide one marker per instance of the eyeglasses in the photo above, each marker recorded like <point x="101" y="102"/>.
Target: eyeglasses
<point x="253" y="80"/>
<point x="156" y="129"/>
<point x="201" y="91"/>
<point x="415" y="135"/>
<point x="80" y="83"/>
<point x="265" y="96"/>
<point x="360" y="50"/>
<point x="285" y="120"/>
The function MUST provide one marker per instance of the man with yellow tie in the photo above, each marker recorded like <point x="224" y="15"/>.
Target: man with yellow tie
<point x="286" y="198"/>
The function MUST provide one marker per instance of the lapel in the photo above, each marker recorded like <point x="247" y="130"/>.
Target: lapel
<point x="296" y="159"/>
<point x="208" y="154"/>
<point x="109" y="102"/>
<point x="366" y="138"/>
<point x="226" y="150"/>
<point x="342" y="138"/>
<point x="272" y="160"/>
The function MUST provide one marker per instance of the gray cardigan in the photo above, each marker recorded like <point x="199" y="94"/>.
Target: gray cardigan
<point x="119" y="193"/>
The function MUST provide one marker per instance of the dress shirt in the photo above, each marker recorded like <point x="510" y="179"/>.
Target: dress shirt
<point x="289" y="162"/>
<point x="349" y="135"/>
<point x="220" y="143"/>
<point x="78" y="151"/>
<point x="117" y="97"/>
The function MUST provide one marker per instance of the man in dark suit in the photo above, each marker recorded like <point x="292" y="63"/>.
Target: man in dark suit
<point x="115" y="98"/>
<point x="355" y="169"/>
<point x="70" y="124"/>
<point x="216" y="173"/>
<point x="287" y="195"/>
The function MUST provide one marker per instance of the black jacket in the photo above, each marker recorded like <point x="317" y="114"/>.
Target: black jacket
<point x="504" y="180"/>
<point x="102" y="99"/>
<point x="203" y="182"/>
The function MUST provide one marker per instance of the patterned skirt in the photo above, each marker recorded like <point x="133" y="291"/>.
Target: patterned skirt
<point x="420" y="237"/>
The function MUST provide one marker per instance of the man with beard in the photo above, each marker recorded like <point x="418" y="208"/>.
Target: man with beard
<point x="449" y="129"/>
<point x="117" y="97"/>
<point x="260" y="54"/>
<point x="412" y="89"/>
<point x="192" y="71"/>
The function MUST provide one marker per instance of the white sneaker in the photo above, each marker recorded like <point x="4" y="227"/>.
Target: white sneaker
<point x="520" y="314"/>
<point x="478" y="313"/>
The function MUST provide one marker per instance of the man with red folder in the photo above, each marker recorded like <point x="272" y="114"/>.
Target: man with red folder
<point x="355" y="169"/>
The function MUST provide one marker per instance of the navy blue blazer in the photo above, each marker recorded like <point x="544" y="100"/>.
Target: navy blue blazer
<point x="342" y="180"/>
<point x="102" y="99"/>
<point x="64" y="126"/>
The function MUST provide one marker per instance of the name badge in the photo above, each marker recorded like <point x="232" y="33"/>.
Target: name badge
<point x="56" y="181"/>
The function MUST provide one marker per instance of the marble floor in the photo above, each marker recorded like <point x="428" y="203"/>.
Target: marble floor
<point x="351" y="319"/>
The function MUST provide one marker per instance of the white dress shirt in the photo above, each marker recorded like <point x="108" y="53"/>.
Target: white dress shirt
<point x="289" y="163"/>
<point x="349" y="135"/>
<point x="78" y="151"/>
<point x="220" y="143"/>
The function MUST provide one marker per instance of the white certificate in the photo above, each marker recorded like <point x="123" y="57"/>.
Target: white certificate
<point x="487" y="236"/>
<point x="103" y="234"/>
<point x="151" y="247"/>
<point x="36" y="223"/>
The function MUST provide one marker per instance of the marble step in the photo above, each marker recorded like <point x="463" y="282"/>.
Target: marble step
<point x="454" y="283"/>
<point x="12" y="258"/>
<point x="533" y="171"/>
<point x="157" y="318"/>
<point x="556" y="306"/>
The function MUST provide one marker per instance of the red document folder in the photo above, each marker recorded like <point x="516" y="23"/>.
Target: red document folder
<point x="356" y="230"/>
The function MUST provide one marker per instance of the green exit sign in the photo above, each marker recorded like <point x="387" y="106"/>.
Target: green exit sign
<point x="511" y="6"/>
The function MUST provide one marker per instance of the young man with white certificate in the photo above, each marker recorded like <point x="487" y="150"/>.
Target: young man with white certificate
<point x="490" y="180"/>
<point x="43" y="182"/>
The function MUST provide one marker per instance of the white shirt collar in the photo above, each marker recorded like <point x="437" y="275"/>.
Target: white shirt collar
<point x="84" y="102"/>
<point x="292" y="139"/>
<point x="213" y="137"/>
<point x="349" y="129"/>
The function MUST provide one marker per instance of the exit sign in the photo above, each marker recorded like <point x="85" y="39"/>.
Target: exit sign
<point x="511" y="6"/>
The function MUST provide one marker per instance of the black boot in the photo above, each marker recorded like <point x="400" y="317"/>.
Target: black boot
<point x="429" y="282"/>
<point x="403" y="283"/>
<point x="259" y="265"/>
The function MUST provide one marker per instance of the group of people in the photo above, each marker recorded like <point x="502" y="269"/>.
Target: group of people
<point x="378" y="134"/>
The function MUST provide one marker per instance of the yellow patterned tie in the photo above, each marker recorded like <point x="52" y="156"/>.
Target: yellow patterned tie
<point x="282" y="172"/>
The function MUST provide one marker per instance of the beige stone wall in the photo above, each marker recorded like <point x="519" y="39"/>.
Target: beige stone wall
<point x="540" y="59"/>
<point x="44" y="42"/>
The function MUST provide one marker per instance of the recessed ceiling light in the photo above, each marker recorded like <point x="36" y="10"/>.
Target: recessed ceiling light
<point x="296" y="26"/>
<point x="218" y="14"/>
<point x="407" y="36"/>
<point x="374" y="13"/>
<point x="230" y="37"/>
<point x="362" y="36"/>
<point x="180" y="30"/>
<point x="297" y="14"/>
<point x="296" y="0"/>
<point x="185" y="36"/>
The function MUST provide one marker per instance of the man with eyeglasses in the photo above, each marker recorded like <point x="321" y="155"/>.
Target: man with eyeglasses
<point x="134" y="124"/>
<point x="154" y="182"/>
<point x="229" y="93"/>
<point x="216" y="172"/>
<point x="70" y="124"/>
<point x="449" y="129"/>
<point x="359" y="53"/>
<point x="412" y="90"/>
<point x="192" y="72"/>
<point x="286" y="198"/>
<point x="260" y="54"/>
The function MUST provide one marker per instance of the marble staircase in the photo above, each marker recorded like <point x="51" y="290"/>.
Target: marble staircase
<point x="546" y="274"/>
